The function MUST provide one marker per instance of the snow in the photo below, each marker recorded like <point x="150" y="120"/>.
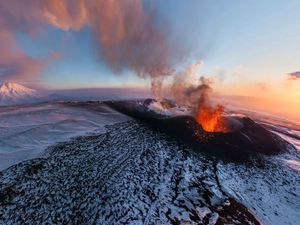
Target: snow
<point x="271" y="192"/>
<point x="269" y="188"/>
<point x="25" y="131"/>
<point x="15" y="89"/>
<point x="202" y="212"/>
<point x="121" y="171"/>
<point x="157" y="107"/>
<point x="137" y="176"/>
<point x="14" y="93"/>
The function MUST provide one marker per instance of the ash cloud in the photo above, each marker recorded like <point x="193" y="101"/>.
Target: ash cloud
<point x="129" y="37"/>
<point x="190" y="89"/>
<point x="184" y="80"/>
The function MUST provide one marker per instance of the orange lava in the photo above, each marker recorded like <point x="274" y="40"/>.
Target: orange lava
<point x="211" y="119"/>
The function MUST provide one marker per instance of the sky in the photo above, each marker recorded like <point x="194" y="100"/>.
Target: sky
<point x="249" y="48"/>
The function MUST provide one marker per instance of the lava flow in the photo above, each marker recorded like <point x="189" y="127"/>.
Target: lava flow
<point x="211" y="118"/>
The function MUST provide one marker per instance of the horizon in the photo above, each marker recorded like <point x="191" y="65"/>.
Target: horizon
<point x="254" y="59"/>
<point x="284" y="109"/>
<point x="150" y="112"/>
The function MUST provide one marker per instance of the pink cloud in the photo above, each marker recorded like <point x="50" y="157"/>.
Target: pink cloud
<point x="128" y="35"/>
<point x="14" y="63"/>
<point x="31" y="14"/>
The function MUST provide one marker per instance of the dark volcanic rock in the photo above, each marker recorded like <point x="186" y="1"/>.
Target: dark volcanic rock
<point x="250" y="138"/>
<point x="247" y="137"/>
<point x="129" y="175"/>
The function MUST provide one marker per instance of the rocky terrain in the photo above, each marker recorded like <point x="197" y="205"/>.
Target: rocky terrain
<point x="134" y="175"/>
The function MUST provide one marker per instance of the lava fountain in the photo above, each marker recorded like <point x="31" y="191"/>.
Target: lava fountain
<point x="211" y="119"/>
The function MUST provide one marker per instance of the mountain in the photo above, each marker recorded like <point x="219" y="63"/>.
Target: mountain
<point x="13" y="93"/>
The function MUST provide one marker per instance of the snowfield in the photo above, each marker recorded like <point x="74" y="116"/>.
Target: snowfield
<point x="25" y="131"/>
<point x="123" y="172"/>
<point x="128" y="175"/>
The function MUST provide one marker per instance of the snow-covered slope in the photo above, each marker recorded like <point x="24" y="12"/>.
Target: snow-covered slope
<point x="129" y="175"/>
<point x="26" y="130"/>
<point x="14" y="93"/>
<point x="124" y="172"/>
<point x="134" y="175"/>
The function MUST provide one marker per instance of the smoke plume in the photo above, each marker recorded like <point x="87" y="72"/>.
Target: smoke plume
<point x="184" y="80"/>
<point x="129" y="38"/>
<point x="196" y="95"/>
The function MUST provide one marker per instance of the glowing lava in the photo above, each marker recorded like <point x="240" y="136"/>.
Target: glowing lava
<point x="211" y="119"/>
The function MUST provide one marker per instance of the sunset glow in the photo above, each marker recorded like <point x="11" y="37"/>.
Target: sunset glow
<point x="142" y="44"/>
<point x="150" y="112"/>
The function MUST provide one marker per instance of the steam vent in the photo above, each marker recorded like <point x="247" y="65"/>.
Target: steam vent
<point x="242" y="137"/>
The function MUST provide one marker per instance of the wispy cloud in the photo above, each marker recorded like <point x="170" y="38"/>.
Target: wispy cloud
<point x="293" y="76"/>
<point x="15" y="64"/>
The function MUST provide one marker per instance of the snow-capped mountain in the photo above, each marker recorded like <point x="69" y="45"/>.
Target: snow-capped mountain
<point x="14" y="93"/>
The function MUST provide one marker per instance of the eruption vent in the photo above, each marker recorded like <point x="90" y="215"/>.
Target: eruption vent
<point x="209" y="117"/>
<point x="186" y="93"/>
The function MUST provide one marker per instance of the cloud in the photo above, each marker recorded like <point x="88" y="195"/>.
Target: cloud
<point x="293" y="76"/>
<point x="14" y="63"/>
<point x="30" y="15"/>
<point x="128" y="35"/>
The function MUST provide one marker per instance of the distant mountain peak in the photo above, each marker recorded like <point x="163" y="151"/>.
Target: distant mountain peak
<point x="14" y="87"/>
<point x="15" y="93"/>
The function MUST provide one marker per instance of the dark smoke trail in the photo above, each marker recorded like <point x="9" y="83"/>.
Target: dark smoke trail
<point x="129" y="38"/>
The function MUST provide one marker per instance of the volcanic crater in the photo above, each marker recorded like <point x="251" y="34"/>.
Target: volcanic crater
<point x="242" y="137"/>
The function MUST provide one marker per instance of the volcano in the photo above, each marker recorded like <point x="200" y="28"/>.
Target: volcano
<point x="14" y="93"/>
<point x="244" y="137"/>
